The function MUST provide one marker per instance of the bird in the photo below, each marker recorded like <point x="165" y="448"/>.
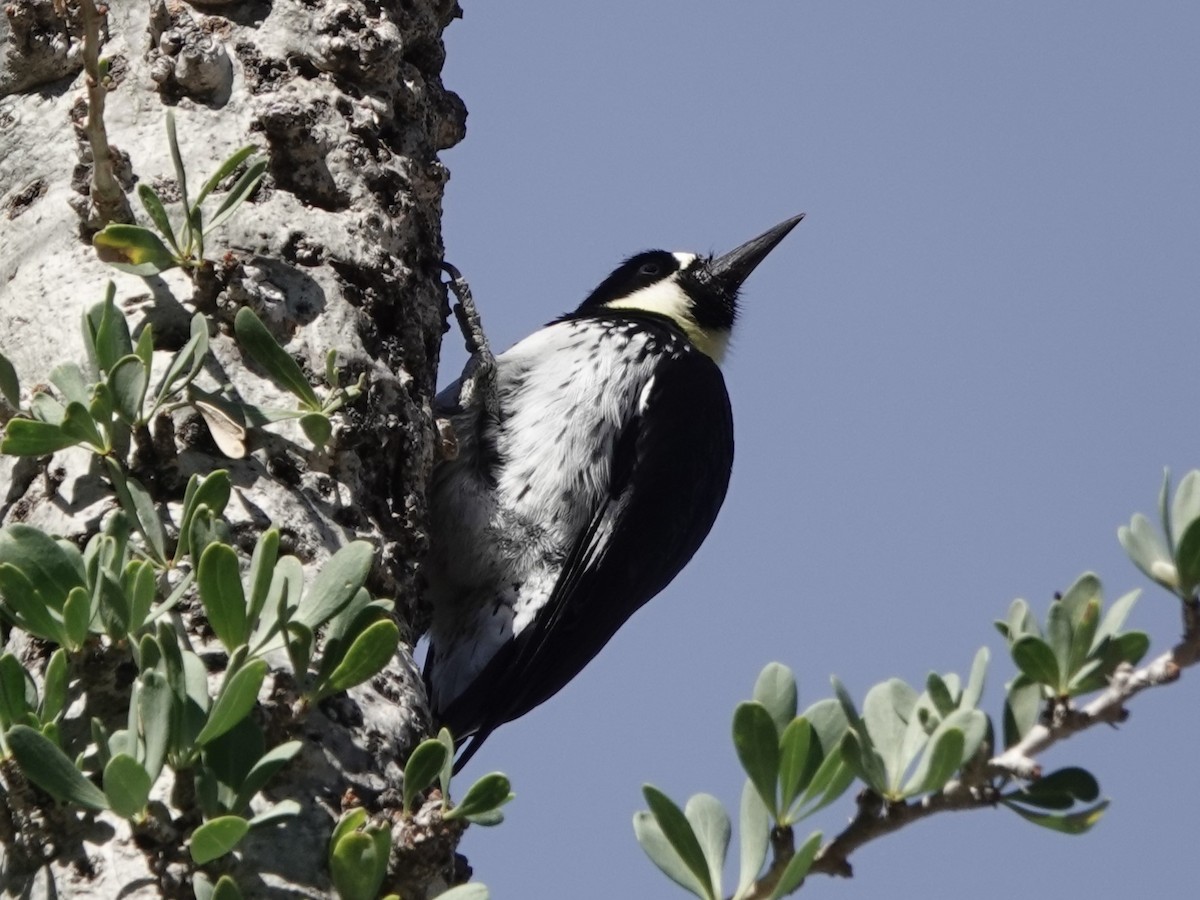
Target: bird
<point x="588" y="470"/>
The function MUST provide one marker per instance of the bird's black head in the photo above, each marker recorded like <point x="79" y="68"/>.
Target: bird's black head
<point x="700" y="294"/>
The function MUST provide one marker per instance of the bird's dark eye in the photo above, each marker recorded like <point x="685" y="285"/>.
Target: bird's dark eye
<point x="650" y="268"/>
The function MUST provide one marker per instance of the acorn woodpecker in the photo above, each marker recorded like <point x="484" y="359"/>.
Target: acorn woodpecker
<point x="589" y="469"/>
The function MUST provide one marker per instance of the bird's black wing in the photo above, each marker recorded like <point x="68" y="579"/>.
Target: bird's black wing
<point x="671" y="467"/>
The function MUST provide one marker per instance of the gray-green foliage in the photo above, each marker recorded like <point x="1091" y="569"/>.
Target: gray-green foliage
<point x="118" y="591"/>
<point x="358" y="848"/>
<point x="102" y="406"/>
<point x="433" y="761"/>
<point x="140" y="251"/>
<point x="909" y="747"/>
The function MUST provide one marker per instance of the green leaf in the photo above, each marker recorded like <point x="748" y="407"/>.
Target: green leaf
<point x="133" y="249"/>
<point x="1129" y="647"/>
<point x="799" y="758"/>
<point x="222" y="595"/>
<point x="237" y="697"/>
<point x="343" y="628"/>
<point x="279" y="366"/>
<point x="856" y="745"/>
<point x="139" y="505"/>
<point x="226" y="889"/>
<point x="26" y="605"/>
<point x="941" y="759"/>
<point x="368" y="654"/>
<point x="757" y="743"/>
<point x="79" y="424"/>
<point x="239" y="192"/>
<point x="1059" y="790"/>
<point x="1147" y="551"/>
<point x="45" y="408"/>
<point x="357" y="866"/>
<point x="1114" y="619"/>
<point x="69" y="380"/>
<point x="207" y="528"/>
<point x="50" y="769"/>
<point x="1187" y="559"/>
<point x="336" y="583"/>
<point x="1021" y="709"/>
<point x="223" y="171"/>
<point x="52" y="570"/>
<point x="153" y="205"/>
<point x="1059" y="636"/>
<point x="186" y="364"/>
<point x="10" y="385"/>
<point x="710" y="824"/>
<point x="447" y="772"/>
<point x="156" y="703"/>
<point x="216" y="837"/>
<point x="1083" y="634"/>
<point x="177" y="160"/>
<point x="299" y="647"/>
<point x="754" y="831"/>
<point x="127" y="381"/>
<point x="212" y="491"/>
<point x="1185" y="510"/>
<point x="29" y="437"/>
<point x="830" y="781"/>
<point x="974" y="690"/>
<point x="106" y="332"/>
<point x="140" y="587"/>
<point x="144" y="349"/>
<point x="317" y="428"/>
<point x="776" y="690"/>
<point x="1072" y="823"/>
<point x="13" y="702"/>
<point x="939" y="694"/>
<point x="126" y="785"/>
<point x="262" y="567"/>
<point x="887" y="709"/>
<point x="1036" y="660"/>
<point x="662" y="853"/>
<point x="351" y="820"/>
<point x="54" y="689"/>
<point x="488" y="793"/>
<point x="263" y="771"/>
<point x="797" y="867"/>
<point x="422" y="769"/>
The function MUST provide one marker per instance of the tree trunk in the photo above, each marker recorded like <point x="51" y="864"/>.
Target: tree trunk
<point x="339" y="248"/>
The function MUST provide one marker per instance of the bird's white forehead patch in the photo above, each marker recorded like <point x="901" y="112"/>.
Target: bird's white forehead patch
<point x="685" y="259"/>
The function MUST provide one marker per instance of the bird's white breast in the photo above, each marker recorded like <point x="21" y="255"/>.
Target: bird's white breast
<point x="565" y="393"/>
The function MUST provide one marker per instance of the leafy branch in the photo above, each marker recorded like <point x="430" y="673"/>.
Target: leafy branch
<point x="917" y="754"/>
<point x="139" y="251"/>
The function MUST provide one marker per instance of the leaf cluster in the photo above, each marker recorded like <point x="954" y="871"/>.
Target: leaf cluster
<point x="140" y="251"/>
<point x="358" y="849"/>
<point x="908" y="747"/>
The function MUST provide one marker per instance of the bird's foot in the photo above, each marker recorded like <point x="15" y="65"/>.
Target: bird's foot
<point x="478" y="386"/>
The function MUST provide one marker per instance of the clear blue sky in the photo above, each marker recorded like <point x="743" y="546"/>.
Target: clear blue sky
<point x="951" y="383"/>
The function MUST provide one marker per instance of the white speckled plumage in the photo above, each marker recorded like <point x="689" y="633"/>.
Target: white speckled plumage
<point x="587" y="475"/>
<point x="577" y="388"/>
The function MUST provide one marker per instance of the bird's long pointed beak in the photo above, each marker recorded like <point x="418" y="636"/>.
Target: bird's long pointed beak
<point x="734" y="267"/>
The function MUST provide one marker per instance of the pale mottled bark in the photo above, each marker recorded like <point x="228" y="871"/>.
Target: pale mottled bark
<point x="339" y="249"/>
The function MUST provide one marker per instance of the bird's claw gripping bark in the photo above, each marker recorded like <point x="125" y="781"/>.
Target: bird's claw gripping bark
<point x="478" y="386"/>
